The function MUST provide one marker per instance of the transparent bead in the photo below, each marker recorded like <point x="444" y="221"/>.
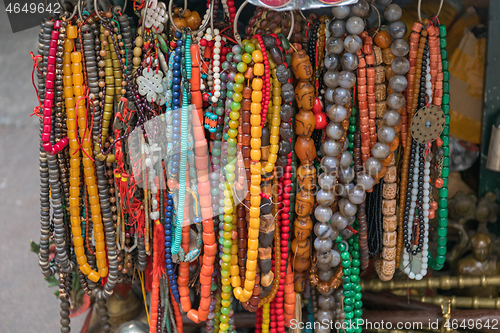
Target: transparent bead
<point x="347" y="208"/>
<point x="346" y="159"/>
<point x="341" y="96"/>
<point x="373" y="166"/>
<point x="346" y="174"/>
<point x="326" y="275"/>
<point x="325" y="197"/>
<point x="398" y="83"/>
<point x="341" y="12"/>
<point x="381" y="150"/>
<point x="336" y="113"/>
<point x="386" y="134"/>
<point x="329" y="165"/>
<point x="323" y="213"/>
<point x="361" y="9"/>
<point x="335" y="45"/>
<point x="397" y="29"/>
<point x="391" y="118"/>
<point x="365" y="180"/>
<point x="332" y="148"/>
<point x="347" y="79"/>
<point x="349" y="61"/>
<point x="331" y="78"/>
<point x="335" y="130"/>
<point x="331" y="61"/>
<point x="400" y="47"/>
<point x="357" y="194"/>
<point x="395" y="101"/>
<point x="323" y="245"/>
<point x="326" y="302"/>
<point x="393" y="12"/>
<point x="323" y="230"/>
<point x="339" y="221"/>
<point x="329" y="95"/>
<point x="337" y="28"/>
<point x="355" y="25"/>
<point x="400" y="65"/>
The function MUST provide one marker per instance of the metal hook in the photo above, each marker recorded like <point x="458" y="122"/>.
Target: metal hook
<point x="96" y="9"/>
<point x="74" y="12"/>
<point x="419" y="11"/>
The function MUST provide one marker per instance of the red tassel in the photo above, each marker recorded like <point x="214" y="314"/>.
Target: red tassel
<point x="159" y="248"/>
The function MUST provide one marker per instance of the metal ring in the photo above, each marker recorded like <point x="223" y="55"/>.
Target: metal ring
<point x="171" y="18"/>
<point x="124" y="6"/>
<point x="237" y="36"/>
<point x="379" y="19"/>
<point x="79" y="6"/>
<point x="420" y="12"/>
<point x="302" y="14"/>
<point x="96" y="9"/>
<point x="74" y="12"/>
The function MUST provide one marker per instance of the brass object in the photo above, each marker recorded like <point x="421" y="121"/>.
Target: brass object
<point x="446" y="310"/>
<point x="462" y="302"/>
<point x="427" y="124"/>
<point x="445" y="282"/>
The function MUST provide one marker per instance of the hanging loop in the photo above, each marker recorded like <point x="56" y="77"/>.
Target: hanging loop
<point x="170" y="16"/>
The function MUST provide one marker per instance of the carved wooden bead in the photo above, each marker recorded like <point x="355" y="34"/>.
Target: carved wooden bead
<point x="389" y="239"/>
<point x="391" y="175"/>
<point x="388" y="207"/>
<point x="389" y="253"/>
<point x="389" y="190"/>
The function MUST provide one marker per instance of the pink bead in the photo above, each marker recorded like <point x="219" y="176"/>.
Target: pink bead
<point x="51" y="76"/>
<point x="48" y="103"/>
<point x="57" y="24"/>
<point x="51" y="68"/>
<point x="49" y="84"/>
<point x="47" y="129"/>
<point x="54" y="35"/>
<point x="47" y="112"/>
<point x="53" y="43"/>
<point x="46" y="137"/>
<point x="49" y="95"/>
<point x="47" y="120"/>
<point x="52" y="51"/>
<point x="47" y="146"/>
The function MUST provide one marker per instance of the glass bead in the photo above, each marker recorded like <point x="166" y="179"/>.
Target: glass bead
<point x="443" y="192"/>
<point x="443" y="202"/>
<point x="447" y="119"/>
<point x="446" y="129"/>
<point x="346" y="263"/>
<point x="441" y="259"/>
<point x="446" y="161"/>
<point x="446" y="65"/>
<point x="348" y="308"/>
<point x="443" y="212"/>
<point x="441" y="241"/>
<point x="397" y="29"/>
<point x="442" y="30"/>
<point x="441" y="251"/>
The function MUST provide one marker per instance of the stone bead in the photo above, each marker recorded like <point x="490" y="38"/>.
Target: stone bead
<point x="325" y="197"/>
<point x="353" y="43"/>
<point x="393" y="12"/>
<point x="395" y="101"/>
<point x="349" y="61"/>
<point x="361" y="9"/>
<point x="383" y="2"/>
<point x="346" y="159"/>
<point x="347" y="79"/>
<point x="357" y="194"/>
<point x="337" y="28"/>
<point x="326" y="275"/>
<point x="323" y="213"/>
<point x="336" y="113"/>
<point x="286" y="112"/>
<point x="347" y="208"/>
<point x="323" y="230"/>
<point x="346" y="174"/>
<point x="335" y="45"/>
<point x="341" y="12"/>
<point x="323" y="317"/>
<point x="329" y="165"/>
<point x="381" y="150"/>
<point x="335" y="131"/>
<point x="355" y="25"/>
<point x="341" y="96"/>
<point x="331" y="61"/>
<point x="329" y="95"/>
<point x="331" y="78"/>
<point x="400" y="47"/>
<point x="373" y="166"/>
<point x="323" y="245"/>
<point x="339" y="221"/>
<point x="332" y="148"/>
<point x="386" y="134"/>
<point x="397" y="29"/>
<point x="400" y="65"/>
<point x="398" y="83"/>
<point x="365" y="180"/>
<point x="326" y="302"/>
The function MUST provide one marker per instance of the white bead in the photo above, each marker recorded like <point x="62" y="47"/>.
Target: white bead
<point x="426" y="246"/>
<point x="426" y="192"/>
<point x="414" y="191"/>
<point x="217" y="44"/>
<point x="216" y="57"/>
<point x="216" y="85"/>
<point x="149" y="162"/>
<point x="426" y="199"/>
<point x="216" y="63"/>
<point x="216" y="51"/>
<point x="424" y="263"/>
<point x="426" y="233"/>
<point x="216" y="31"/>
<point x="214" y="99"/>
<point x="217" y="82"/>
<point x="413" y="205"/>
<point x="412" y="275"/>
<point x="418" y="277"/>
<point x="427" y="77"/>
<point x="406" y="256"/>
<point x="202" y="86"/>
<point x="217" y="93"/>
<point x="208" y="37"/>
<point x="426" y="213"/>
<point x="429" y="100"/>
<point x="426" y="179"/>
<point x="218" y="38"/>
<point x="216" y="70"/>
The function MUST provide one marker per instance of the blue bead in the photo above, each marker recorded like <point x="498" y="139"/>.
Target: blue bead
<point x="176" y="80"/>
<point x="176" y="94"/>
<point x="178" y="34"/>
<point x="169" y="214"/>
<point x="177" y="59"/>
<point x="197" y="220"/>
<point x="177" y="115"/>
<point x="175" y="158"/>
<point x="178" y="50"/>
<point x="176" y="87"/>
<point x="176" y="102"/>
<point x="170" y="202"/>
<point x="170" y="266"/>
<point x="168" y="238"/>
<point x="176" y="123"/>
<point x="168" y="261"/>
<point x="174" y="171"/>
<point x="179" y="42"/>
<point x="170" y="272"/>
<point x="177" y="73"/>
<point x="174" y="287"/>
